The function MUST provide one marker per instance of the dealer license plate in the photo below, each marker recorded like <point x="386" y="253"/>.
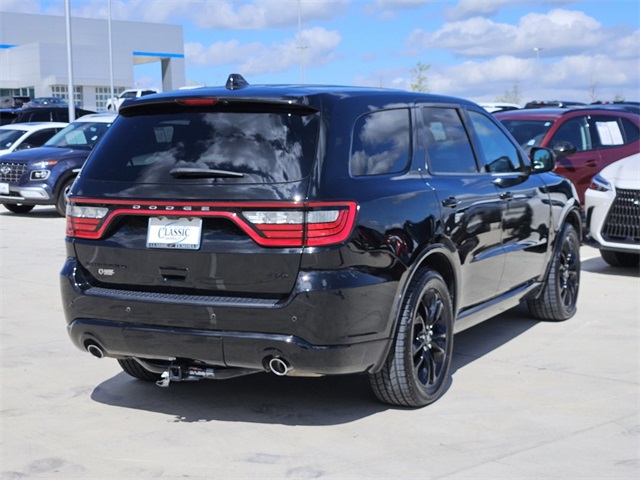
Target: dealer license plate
<point x="175" y="233"/>
<point x="4" y="189"/>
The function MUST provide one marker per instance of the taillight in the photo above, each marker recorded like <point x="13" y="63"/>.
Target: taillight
<point x="269" y="224"/>
<point x="85" y="221"/>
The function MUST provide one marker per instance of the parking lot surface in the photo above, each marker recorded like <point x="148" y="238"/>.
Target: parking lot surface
<point x="527" y="399"/>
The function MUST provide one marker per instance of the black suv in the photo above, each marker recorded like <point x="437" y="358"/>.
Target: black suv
<point x="40" y="113"/>
<point x="310" y="231"/>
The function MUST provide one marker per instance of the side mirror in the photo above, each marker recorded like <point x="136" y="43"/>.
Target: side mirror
<point x="564" y="149"/>
<point x="542" y="159"/>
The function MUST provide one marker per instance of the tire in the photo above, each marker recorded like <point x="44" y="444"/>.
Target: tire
<point x="416" y="371"/>
<point x="559" y="296"/>
<point x="620" y="259"/>
<point x="133" y="368"/>
<point x="18" y="207"/>
<point x="61" y="201"/>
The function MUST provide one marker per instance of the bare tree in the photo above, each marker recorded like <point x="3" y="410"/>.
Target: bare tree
<point x="511" y="95"/>
<point x="419" y="81"/>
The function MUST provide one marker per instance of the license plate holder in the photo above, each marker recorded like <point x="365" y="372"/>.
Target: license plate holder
<point x="174" y="233"/>
<point x="4" y="189"/>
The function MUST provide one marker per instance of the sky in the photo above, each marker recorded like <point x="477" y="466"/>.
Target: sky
<point x="482" y="50"/>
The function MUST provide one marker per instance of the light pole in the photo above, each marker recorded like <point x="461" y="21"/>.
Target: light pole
<point x="70" y="92"/>
<point x="537" y="50"/>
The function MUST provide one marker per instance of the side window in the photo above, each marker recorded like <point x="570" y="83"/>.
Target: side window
<point x="448" y="147"/>
<point x="576" y="132"/>
<point x="381" y="143"/>
<point x="38" y="138"/>
<point x="631" y="130"/>
<point x="43" y="116"/>
<point x="614" y="131"/>
<point x="500" y="155"/>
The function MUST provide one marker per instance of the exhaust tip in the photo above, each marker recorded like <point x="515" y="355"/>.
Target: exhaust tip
<point x="94" y="349"/>
<point x="279" y="366"/>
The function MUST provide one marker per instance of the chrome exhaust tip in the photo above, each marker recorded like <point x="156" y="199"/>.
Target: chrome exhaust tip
<point x="279" y="366"/>
<point x="94" y="349"/>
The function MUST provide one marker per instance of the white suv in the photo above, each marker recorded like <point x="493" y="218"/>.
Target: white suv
<point x="114" y="103"/>
<point x="612" y="205"/>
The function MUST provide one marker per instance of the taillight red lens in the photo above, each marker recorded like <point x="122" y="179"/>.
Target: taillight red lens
<point x="269" y="224"/>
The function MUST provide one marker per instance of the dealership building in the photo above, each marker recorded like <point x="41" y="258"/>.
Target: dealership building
<point x="33" y="56"/>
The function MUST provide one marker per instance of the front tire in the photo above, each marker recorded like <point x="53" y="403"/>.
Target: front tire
<point x="620" y="259"/>
<point x="559" y="296"/>
<point x="18" y="207"/>
<point x="61" y="201"/>
<point x="416" y="371"/>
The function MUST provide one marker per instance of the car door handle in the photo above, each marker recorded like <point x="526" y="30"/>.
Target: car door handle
<point x="450" y="202"/>
<point x="506" y="195"/>
<point x="591" y="163"/>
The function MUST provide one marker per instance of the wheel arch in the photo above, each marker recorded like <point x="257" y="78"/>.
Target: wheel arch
<point x="438" y="258"/>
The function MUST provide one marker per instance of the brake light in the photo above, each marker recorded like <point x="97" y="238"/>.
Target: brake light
<point x="269" y="224"/>
<point x="197" y="102"/>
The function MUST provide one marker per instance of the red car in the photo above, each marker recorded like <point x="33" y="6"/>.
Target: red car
<point x="585" y="139"/>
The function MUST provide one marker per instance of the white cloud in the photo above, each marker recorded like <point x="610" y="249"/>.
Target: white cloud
<point x="20" y="6"/>
<point x="558" y="32"/>
<point x="466" y="9"/>
<point x="257" y="58"/>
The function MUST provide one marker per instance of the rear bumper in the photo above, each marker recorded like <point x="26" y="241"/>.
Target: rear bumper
<point x="228" y="349"/>
<point x="333" y="324"/>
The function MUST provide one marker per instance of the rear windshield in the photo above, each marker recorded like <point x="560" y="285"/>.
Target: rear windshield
<point x="206" y="147"/>
<point x="528" y="133"/>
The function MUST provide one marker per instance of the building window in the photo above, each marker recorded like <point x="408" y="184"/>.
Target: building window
<point x="61" y="91"/>
<point x="103" y="94"/>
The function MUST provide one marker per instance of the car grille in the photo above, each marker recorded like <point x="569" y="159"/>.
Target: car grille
<point x="11" y="172"/>
<point x="623" y="221"/>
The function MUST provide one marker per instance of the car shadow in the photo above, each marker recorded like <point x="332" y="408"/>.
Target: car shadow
<point x="598" y="265"/>
<point x="35" y="213"/>
<point x="268" y="399"/>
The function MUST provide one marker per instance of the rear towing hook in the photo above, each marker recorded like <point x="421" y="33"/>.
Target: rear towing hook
<point x="175" y="373"/>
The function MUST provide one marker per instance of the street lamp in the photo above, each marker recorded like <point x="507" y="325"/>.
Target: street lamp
<point x="537" y="50"/>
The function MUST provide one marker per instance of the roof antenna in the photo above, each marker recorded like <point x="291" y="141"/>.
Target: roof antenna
<point x="236" y="81"/>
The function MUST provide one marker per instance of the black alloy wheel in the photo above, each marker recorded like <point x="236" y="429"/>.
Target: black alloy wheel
<point x="417" y="368"/>
<point x="559" y="297"/>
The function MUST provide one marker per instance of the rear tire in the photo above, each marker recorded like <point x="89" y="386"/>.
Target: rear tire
<point x="559" y="296"/>
<point x="133" y="368"/>
<point x="18" y="207"/>
<point x="416" y="371"/>
<point x="620" y="259"/>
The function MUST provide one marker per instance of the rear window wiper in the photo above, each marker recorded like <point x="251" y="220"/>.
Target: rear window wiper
<point x="190" y="172"/>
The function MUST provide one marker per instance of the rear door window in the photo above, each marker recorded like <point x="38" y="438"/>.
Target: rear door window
<point x="206" y="147"/>
<point x="448" y="147"/>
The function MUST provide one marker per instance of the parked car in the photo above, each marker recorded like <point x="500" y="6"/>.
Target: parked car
<point x="552" y="104"/>
<point x="612" y="204"/>
<point x="13" y="101"/>
<point x="114" y="103"/>
<point x="44" y="113"/>
<point x="43" y="176"/>
<point x="42" y="101"/>
<point x="22" y="136"/>
<point x="493" y="107"/>
<point x="306" y="230"/>
<point x="585" y="140"/>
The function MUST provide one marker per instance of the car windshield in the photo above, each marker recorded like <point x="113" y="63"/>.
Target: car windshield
<point x="9" y="137"/>
<point x="80" y="135"/>
<point x="205" y="147"/>
<point x="528" y="133"/>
